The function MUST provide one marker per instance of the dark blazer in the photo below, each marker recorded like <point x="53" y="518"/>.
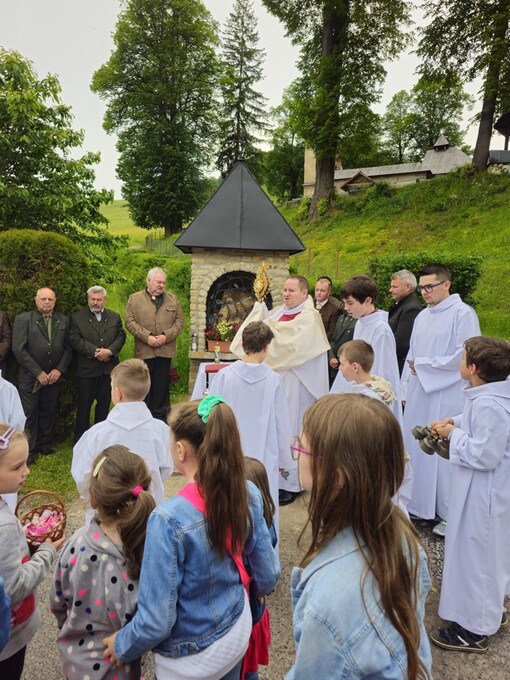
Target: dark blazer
<point x="343" y="333"/>
<point x="87" y="334"/>
<point x="329" y="315"/>
<point x="401" y="316"/>
<point x="5" y="339"/>
<point x="33" y="349"/>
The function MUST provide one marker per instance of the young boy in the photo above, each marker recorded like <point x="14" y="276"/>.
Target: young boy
<point x="356" y="359"/>
<point x="359" y="295"/>
<point x="256" y="395"/>
<point x="129" y="423"/>
<point x="476" y="568"/>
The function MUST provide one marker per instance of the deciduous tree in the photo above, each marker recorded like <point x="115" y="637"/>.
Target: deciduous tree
<point x="343" y="46"/>
<point x="242" y="106"/>
<point x="43" y="185"/>
<point x="474" y="39"/>
<point x="159" y="86"/>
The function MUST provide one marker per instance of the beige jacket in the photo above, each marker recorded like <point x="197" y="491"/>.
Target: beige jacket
<point x="143" y="318"/>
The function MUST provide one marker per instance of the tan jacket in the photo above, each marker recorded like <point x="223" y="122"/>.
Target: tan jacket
<point x="143" y="318"/>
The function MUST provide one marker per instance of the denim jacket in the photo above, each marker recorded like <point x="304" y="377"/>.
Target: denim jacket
<point x="337" y="634"/>
<point x="188" y="597"/>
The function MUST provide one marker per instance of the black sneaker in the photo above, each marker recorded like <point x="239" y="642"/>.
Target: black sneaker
<point x="459" y="639"/>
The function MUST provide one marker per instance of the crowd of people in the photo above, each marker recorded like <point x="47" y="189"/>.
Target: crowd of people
<point x="324" y="399"/>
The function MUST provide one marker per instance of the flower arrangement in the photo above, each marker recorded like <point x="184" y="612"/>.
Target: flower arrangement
<point x="223" y="331"/>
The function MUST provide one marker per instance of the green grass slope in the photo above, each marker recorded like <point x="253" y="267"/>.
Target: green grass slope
<point x="453" y="214"/>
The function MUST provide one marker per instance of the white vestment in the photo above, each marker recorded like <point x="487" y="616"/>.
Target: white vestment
<point x="375" y="330"/>
<point x="476" y="573"/>
<point x="132" y="425"/>
<point x="256" y="395"/>
<point x="435" y="392"/>
<point x="298" y="353"/>
<point x="11" y="413"/>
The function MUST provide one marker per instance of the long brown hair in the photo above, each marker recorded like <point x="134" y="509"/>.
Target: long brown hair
<point x="359" y="438"/>
<point x="116" y="473"/>
<point x="220" y="475"/>
<point x="256" y="472"/>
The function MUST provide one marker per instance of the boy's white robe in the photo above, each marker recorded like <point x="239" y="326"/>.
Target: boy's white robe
<point x="256" y="395"/>
<point x="11" y="413"/>
<point x="375" y="330"/>
<point x="476" y="574"/>
<point x="435" y="392"/>
<point x="298" y="353"/>
<point x="130" y="424"/>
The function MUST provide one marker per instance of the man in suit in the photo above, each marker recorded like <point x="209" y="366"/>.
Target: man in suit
<point x="328" y="307"/>
<point x="97" y="337"/>
<point x="344" y="329"/>
<point x="403" y="311"/>
<point x="154" y="317"/>
<point x="5" y="340"/>
<point x="40" y="342"/>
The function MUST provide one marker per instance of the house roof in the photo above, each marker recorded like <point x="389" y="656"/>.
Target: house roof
<point x="381" y="170"/>
<point x="239" y="216"/>
<point x="356" y="178"/>
<point x="441" y="162"/>
<point x="441" y="141"/>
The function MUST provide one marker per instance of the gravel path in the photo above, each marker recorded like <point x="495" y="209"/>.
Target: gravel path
<point x="43" y="662"/>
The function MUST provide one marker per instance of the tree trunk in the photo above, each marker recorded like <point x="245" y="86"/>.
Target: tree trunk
<point x="173" y="226"/>
<point x="324" y="185"/>
<point x="491" y="87"/>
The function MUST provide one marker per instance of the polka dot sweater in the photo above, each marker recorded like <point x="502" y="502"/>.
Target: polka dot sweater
<point x="91" y="597"/>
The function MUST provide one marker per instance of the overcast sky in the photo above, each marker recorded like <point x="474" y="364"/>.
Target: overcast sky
<point x="72" y="38"/>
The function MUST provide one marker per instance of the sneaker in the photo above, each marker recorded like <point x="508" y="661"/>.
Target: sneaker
<point x="459" y="639"/>
<point x="440" y="529"/>
<point x="504" y="620"/>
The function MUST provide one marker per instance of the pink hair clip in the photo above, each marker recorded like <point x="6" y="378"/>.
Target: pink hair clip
<point x="5" y="437"/>
<point x="137" y="491"/>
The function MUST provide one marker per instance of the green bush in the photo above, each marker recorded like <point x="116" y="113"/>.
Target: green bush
<point x="303" y="209"/>
<point x="30" y="260"/>
<point x="465" y="271"/>
<point x="322" y="207"/>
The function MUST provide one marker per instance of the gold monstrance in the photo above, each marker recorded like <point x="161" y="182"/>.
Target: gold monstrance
<point x="261" y="283"/>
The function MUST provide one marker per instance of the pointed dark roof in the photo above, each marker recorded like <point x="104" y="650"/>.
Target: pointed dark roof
<point x="239" y="216"/>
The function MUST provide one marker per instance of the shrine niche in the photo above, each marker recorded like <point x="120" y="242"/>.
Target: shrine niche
<point x="236" y="232"/>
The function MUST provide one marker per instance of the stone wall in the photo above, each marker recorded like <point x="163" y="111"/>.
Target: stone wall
<point x="206" y="267"/>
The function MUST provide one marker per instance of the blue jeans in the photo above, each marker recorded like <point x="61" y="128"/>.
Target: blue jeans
<point x="234" y="673"/>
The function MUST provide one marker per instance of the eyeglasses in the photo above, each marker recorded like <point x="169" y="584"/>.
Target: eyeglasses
<point x="429" y="287"/>
<point x="296" y="449"/>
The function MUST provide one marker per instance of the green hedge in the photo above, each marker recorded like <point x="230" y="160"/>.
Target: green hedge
<point x="465" y="271"/>
<point x="30" y="260"/>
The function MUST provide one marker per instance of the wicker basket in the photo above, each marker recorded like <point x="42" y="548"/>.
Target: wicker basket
<point x="32" y="505"/>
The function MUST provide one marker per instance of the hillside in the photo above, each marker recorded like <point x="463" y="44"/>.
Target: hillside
<point x="469" y="216"/>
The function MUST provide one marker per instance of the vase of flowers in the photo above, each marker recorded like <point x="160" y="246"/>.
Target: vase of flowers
<point x="221" y="333"/>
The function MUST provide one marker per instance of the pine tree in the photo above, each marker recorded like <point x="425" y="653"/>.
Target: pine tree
<point x="242" y="108"/>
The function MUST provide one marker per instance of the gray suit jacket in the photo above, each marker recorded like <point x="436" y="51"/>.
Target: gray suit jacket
<point x="34" y="350"/>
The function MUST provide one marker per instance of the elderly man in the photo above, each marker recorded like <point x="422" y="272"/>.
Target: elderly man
<point x="403" y="311"/>
<point x="97" y="337"/>
<point x="5" y="340"/>
<point x="40" y="342"/>
<point x="434" y="387"/>
<point x="328" y="307"/>
<point x="154" y="317"/>
<point x="298" y="353"/>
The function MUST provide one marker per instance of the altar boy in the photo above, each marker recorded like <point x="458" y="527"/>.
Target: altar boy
<point x="131" y="424"/>
<point x="476" y="569"/>
<point x="256" y="395"/>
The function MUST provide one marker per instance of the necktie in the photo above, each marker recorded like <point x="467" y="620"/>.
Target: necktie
<point x="47" y="321"/>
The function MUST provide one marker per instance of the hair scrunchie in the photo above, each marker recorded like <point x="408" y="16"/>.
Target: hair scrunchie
<point x="207" y="404"/>
<point x="137" y="491"/>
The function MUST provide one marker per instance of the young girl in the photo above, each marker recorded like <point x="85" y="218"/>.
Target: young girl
<point x="22" y="573"/>
<point x="260" y="639"/>
<point x="359" y="595"/>
<point x="96" y="580"/>
<point x="193" y="609"/>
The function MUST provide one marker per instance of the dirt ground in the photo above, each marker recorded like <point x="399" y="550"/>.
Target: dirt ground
<point x="43" y="663"/>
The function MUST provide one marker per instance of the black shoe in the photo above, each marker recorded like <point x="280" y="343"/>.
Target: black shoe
<point x="47" y="451"/>
<point x="458" y="639"/>
<point x="287" y="497"/>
